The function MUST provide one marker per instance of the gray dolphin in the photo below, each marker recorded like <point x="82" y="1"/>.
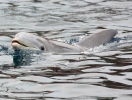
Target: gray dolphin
<point x="25" y="40"/>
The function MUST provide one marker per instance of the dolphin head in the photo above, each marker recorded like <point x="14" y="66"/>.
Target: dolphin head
<point x="30" y="41"/>
<point x="25" y="40"/>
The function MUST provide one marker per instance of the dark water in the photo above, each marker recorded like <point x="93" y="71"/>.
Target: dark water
<point x="97" y="74"/>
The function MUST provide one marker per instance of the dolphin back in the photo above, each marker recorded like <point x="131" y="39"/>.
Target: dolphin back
<point x="97" y="39"/>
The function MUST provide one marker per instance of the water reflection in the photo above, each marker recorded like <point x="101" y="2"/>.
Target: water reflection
<point x="18" y="59"/>
<point x="24" y="57"/>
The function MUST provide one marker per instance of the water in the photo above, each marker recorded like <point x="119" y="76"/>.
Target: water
<point x="97" y="74"/>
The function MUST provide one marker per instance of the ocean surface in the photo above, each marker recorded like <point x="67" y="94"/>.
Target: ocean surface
<point x="100" y="73"/>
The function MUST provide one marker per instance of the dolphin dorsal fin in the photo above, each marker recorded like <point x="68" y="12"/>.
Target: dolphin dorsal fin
<point x="97" y="39"/>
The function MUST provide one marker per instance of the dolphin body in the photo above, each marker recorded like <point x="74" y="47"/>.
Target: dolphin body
<point x="25" y="40"/>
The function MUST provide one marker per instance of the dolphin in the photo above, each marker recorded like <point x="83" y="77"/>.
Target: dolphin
<point x="23" y="40"/>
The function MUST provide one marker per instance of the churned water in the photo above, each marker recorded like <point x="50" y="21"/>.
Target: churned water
<point x="100" y="73"/>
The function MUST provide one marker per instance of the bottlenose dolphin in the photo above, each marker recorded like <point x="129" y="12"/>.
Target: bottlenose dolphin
<point x="25" y="40"/>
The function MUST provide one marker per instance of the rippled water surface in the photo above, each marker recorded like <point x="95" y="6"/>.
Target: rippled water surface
<point x="101" y="73"/>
